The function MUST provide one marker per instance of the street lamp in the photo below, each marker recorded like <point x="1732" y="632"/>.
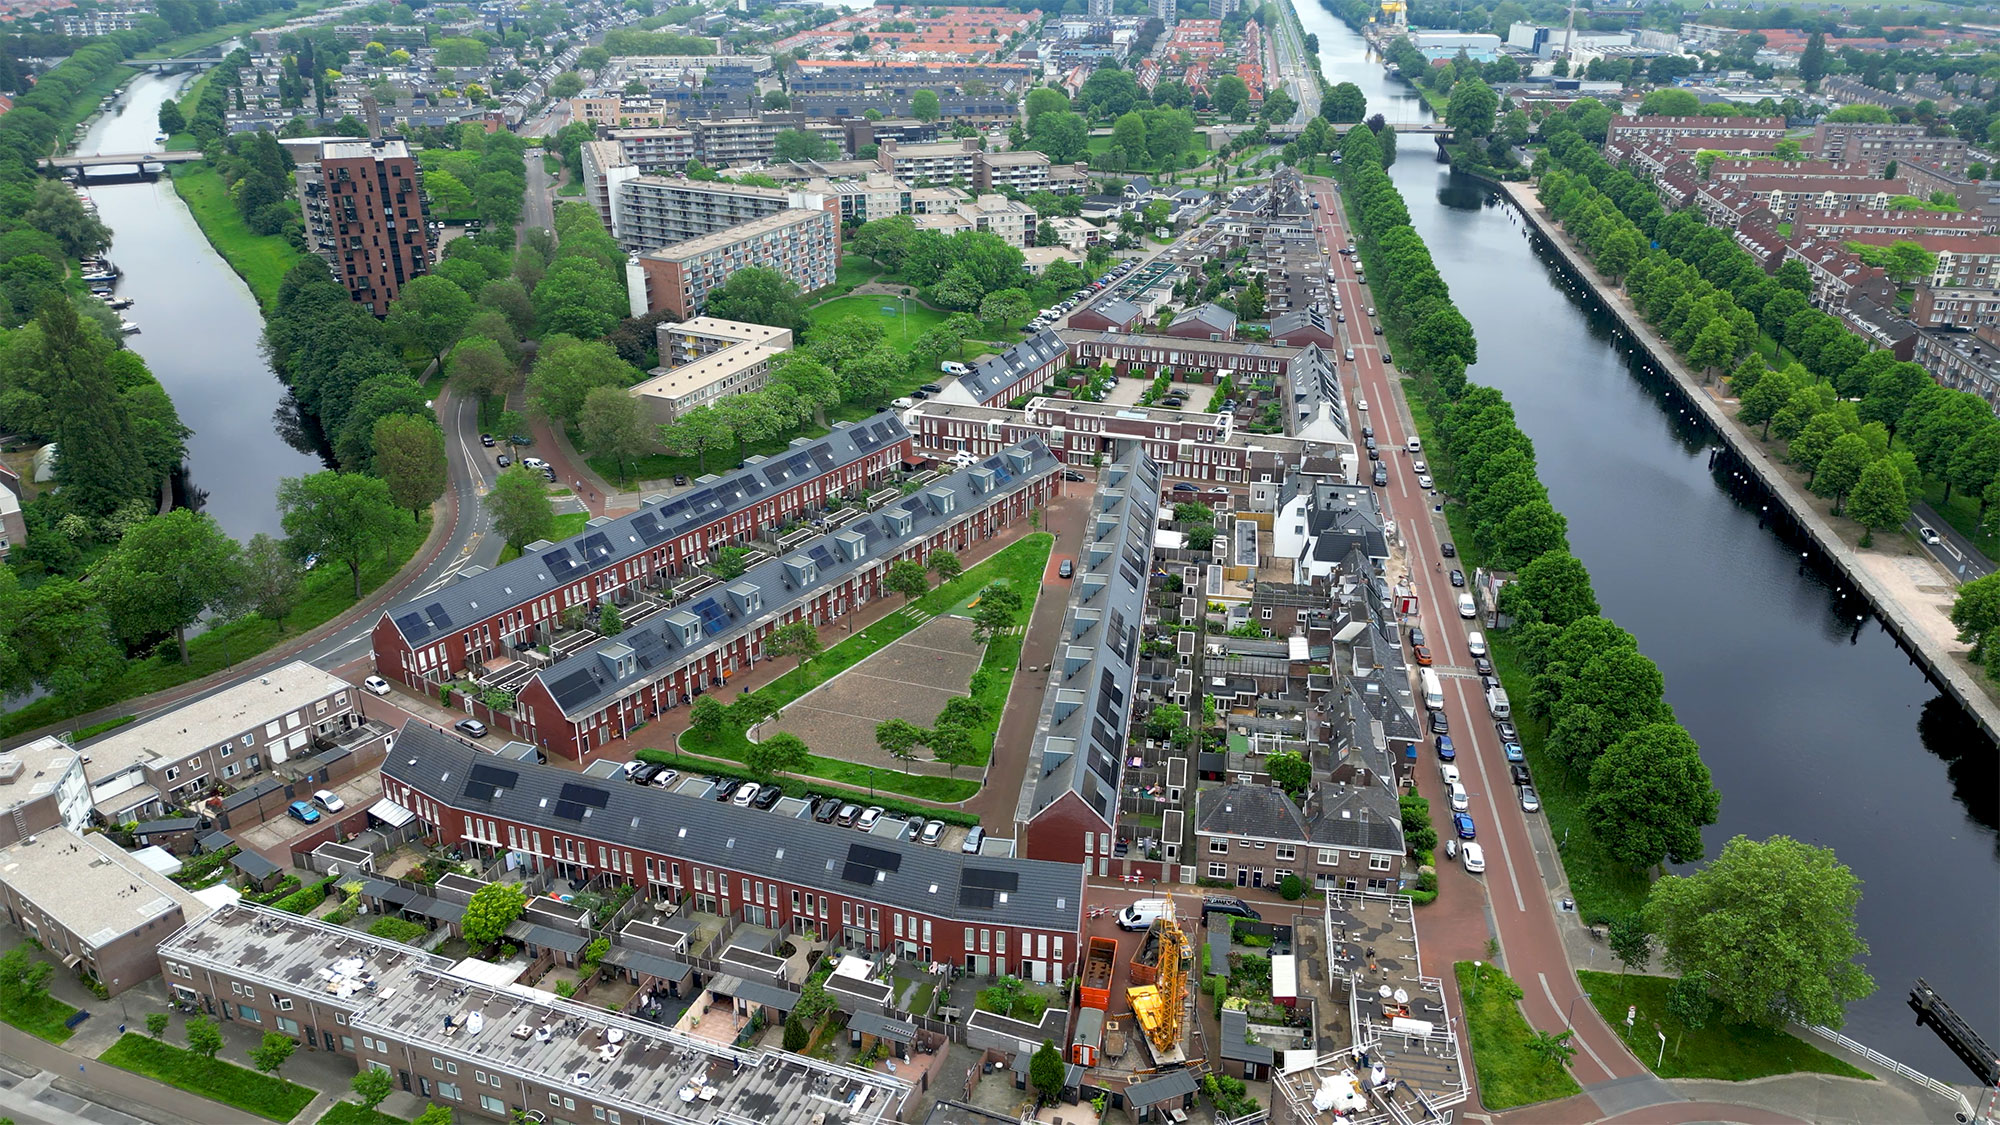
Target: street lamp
<point x="1477" y="968"/>
<point x="1572" y="1008"/>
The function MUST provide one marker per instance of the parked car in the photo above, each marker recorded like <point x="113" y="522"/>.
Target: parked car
<point x="680" y="480"/>
<point x="974" y="840"/>
<point x="1445" y="750"/>
<point x="1424" y="481"/>
<point x="665" y="779"/>
<point x="1457" y="577"/>
<point x="933" y="832"/>
<point x="727" y="788"/>
<point x="329" y="800"/>
<point x="1066" y="569"/>
<point x="848" y="815"/>
<point x="1474" y="858"/>
<point x="1530" y="800"/>
<point x="1416" y="638"/>
<point x="486" y="440"/>
<point x="766" y="797"/>
<point x="1507" y="732"/>
<point x="1422" y="656"/>
<point x="1072" y="476"/>
<point x="1448" y="774"/>
<point x="632" y="767"/>
<point x="503" y="461"/>
<point x="1381" y="477"/>
<point x="915" y="827"/>
<point x="1461" y="801"/>
<point x="1461" y="823"/>
<point x="471" y="728"/>
<point x="826" y="809"/>
<point x="869" y="816"/>
<point x="646" y="772"/>
<point x="1512" y="752"/>
<point x="1184" y="486"/>
<point x="1519" y="774"/>
<point x="1439" y="723"/>
<point x="1449" y="550"/>
<point x="1482" y="665"/>
<point x="1225" y="904"/>
<point x="302" y="812"/>
<point x="376" y="685"/>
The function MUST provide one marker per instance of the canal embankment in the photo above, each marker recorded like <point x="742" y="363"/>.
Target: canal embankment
<point x="1907" y="605"/>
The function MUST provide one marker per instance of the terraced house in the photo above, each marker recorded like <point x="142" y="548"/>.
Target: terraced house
<point x="669" y="654"/>
<point x="493" y="616"/>
<point x="987" y="914"/>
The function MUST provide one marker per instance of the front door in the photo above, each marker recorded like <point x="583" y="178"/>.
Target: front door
<point x="1242" y="877"/>
<point x="1257" y="877"/>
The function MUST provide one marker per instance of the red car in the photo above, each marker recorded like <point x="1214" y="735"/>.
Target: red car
<point x="1423" y="656"/>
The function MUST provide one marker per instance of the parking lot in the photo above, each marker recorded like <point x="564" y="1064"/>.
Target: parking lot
<point x="890" y="826"/>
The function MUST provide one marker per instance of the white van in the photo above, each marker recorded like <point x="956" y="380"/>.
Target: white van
<point x="1433" y="689"/>
<point x="1475" y="643"/>
<point x="1496" y="702"/>
<point x="953" y="367"/>
<point x="1416" y="445"/>
<point x="1142" y="914"/>
<point x="1465" y="607"/>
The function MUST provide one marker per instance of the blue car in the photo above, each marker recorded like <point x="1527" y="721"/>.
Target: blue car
<point x="1513" y="751"/>
<point x="303" y="812"/>
<point x="1462" y="823"/>
<point x="1446" y="751"/>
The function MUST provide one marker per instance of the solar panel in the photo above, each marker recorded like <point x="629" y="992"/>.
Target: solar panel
<point x="584" y="795"/>
<point x="597" y="546"/>
<point x="752" y="486"/>
<point x="560" y="561"/>
<point x="414" y="626"/>
<point x="714" y="619"/>
<point x="822" y="458"/>
<point x="991" y="879"/>
<point x="439" y="618"/>
<point x="699" y="500"/>
<point x="799" y="463"/>
<point x="574" y="688"/>
<point x="819" y="554"/>
<point x="653" y="536"/>
<point x="569" y="810"/>
<point x="978" y="897"/>
<point x="877" y="858"/>
<point x="645" y="522"/>
<point x="858" y="873"/>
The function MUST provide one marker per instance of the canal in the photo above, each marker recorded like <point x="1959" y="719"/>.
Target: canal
<point x="199" y="327"/>
<point x="1814" y="723"/>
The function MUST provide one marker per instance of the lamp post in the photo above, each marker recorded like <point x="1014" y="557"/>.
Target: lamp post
<point x="1572" y="1009"/>
<point x="1477" y="968"/>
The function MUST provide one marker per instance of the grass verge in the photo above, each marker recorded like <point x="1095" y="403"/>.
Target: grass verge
<point x="1509" y="1074"/>
<point x="1602" y="887"/>
<point x="327" y="593"/>
<point x="1019" y="564"/>
<point x="354" y="1113"/>
<point x="1731" y="1052"/>
<point x="214" y="1079"/>
<point x="567" y="525"/>
<point x="43" y="1016"/>
<point x="260" y="260"/>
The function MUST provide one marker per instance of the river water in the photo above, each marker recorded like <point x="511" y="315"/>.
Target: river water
<point x="1814" y="723"/>
<point x="199" y="327"/>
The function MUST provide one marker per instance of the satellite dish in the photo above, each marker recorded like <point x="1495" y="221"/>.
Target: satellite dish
<point x="1402" y="997"/>
<point x="1386" y="991"/>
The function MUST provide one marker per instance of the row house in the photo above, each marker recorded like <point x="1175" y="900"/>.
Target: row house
<point x="1961" y="360"/>
<point x="1732" y="205"/>
<point x="491" y="615"/>
<point x="986" y="914"/>
<point x="1964" y="309"/>
<point x="1639" y="129"/>
<point x="1978" y="197"/>
<point x="1787" y="194"/>
<point x="1963" y="261"/>
<point x="1813" y="222"/>
<point x="1147" y="353"/>
<point x="1025" y="368"/>
<point x="1348" y="837"/>
<point x="1626" y="149"/>
<point x="1759" y="238"/>
<point x="172" y="759"/>
<point x="464" y="1035"/>
<point x="601" y="692"/>
<point x="1839" y="273"/>
<point x="1882" y="326"/>
<point x="1069" y="802"/>
<point x="1741" y="169"/>
<point x="1877" y="145"/>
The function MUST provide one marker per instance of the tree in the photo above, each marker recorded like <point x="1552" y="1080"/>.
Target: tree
<point x="480" y="367"/>
<point x="908" y="578"/>
<point x="898" y="738"/>
<point x="924" y="105"/>
<point x="1005" y="307"/>
<point x="609" y="622"/>
<point x="707" y="717"/>
<point x="613" y="424"/>
<point x="1291" y="772"/>
<point x="1063" y="136"/>
<point x="1669" y="102"/>
<point x="1250" y="301"/>
<point x="802" y="145"/>
<point x="1554" y="587"/>
<point x="409" y="457"/>
<point x="100" y="467"/>
<point x="347" y="517"/>
<point x="54" y="633"/>
<point x="171" y="119"/>
<point x="1879" y="501"/>
<point x="1769" y="926"/>
<point x="760" y="296"/>
<point x="156" y="1022"/>
<point x="1045" y="99"/>
<point x="951" y="743"/>
<point x="567" y="370"/>
<point x="428" y="316"/>
<point x="269" y="1056"/>
<point x="490" y="911"/>
<point x="797" y="639"/>
<point x="694" y="433"/>
<point x="783" y="752"/>
<point x="1553" y="1050"/>
<point x="1840" y="468"/>
<point x="23" y="976"/>
<point x="1631" y="943"/>
<point x="1046" y="1071"/>
<point x="448" y="194"/>
<point x="1229" y="94"/>
<point x="433" y="1114"/>
<point x="999" y="607"/>
<point x="1812" y="64"/>
<point x="165" y="574"/>
<point x="1976" y="612"/>
<point x="56" y="211"/>
<point x="946" y="564"/>
<point x="1343" y="103"/>
<point x="519" y="505"/>
<point x="203" y="1037"/>
<point x="1471" y="107"/>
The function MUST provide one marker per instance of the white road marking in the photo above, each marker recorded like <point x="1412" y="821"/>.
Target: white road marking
<point x="1578" y="1038"/>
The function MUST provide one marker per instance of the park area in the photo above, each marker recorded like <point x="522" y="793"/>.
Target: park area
<point x="911" y="679"/>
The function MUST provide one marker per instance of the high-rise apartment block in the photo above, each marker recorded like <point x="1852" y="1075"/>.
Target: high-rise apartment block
<point x="365" y="214"/>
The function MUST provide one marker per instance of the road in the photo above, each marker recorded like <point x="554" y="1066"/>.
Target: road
<point x="1953" y="551"/>
<point x="1288" y="55"/>
<point x="538" y="206"/>
<point x="1520" y="906"/>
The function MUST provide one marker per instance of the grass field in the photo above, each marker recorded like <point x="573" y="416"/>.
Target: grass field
<point x="261" y="260"/>
<point x="1509" y="1074"/>
<point x="327" y="592"/>
<point x="1020" y="564"/>
<point x="1731" y="1052"/>
<point x="43" y="1017"/>
<point x="214" y="1079"/>
<point x="354" y="1113"/>
<point x="1100" y="147"/>
<point x="567" y="524"/>
<point x="906" y="319"/>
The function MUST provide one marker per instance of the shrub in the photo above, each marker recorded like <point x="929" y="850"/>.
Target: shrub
<point x="304" y="901"/>
<point x="398" y="929"/>
<point x="1292" y="889"/>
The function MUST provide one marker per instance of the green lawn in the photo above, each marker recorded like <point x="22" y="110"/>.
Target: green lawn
<point x="1602" y="887"/>
<point x="567" y="524"/>
<point x="220" y="1081"/>
<point x="900" y="329"/>
<point x="43" y="1017"/>
<point x="86" y="101"/>
<point x="261" y="260"/>
<point x="1020" y="565"/>
<point x="1100" y="147"/>
<point x="1509" y="1075"/>
<point x="664" y="466"/>
<point x="327" y="593"/>
<point x="1731" y="1052"/>
<point x="353" y="1113"/>
<point x="853" y="270"/>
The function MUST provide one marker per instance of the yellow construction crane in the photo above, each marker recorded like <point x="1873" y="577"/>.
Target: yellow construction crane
<point x="1395" y="10"/>
<point x="1159" y="1006"/>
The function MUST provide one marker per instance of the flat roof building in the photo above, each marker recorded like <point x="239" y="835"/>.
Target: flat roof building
<point x="706" y="358"/>
<point x="91" y="904"/>
<point x="42" y="785"/>
<point x="803" y="245"/>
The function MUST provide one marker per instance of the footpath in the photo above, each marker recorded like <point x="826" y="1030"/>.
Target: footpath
<point x="1902" y="591"/>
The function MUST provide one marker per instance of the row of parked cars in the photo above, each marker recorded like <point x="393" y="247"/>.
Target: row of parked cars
<point x="746" y="794"/>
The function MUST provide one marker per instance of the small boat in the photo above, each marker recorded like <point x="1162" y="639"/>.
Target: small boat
<point x="95" y="278"/>
<point x="120" y="303"/>
<point x="127" y="327"/>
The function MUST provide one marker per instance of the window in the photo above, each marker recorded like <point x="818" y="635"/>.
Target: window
<point x="1218" y="847"/>
<point x="450" y="1090"/>
<point x="288" y="1026"/>
<point x="1378" y="863"/>
<point x="1218" y="871"/>
<point x="491" y="1104"/>
<point x="1286" y="851"/>
<point x="1329" y="856"/>
<point x="284" y="1005"/>
<point x="248" y="1014"/>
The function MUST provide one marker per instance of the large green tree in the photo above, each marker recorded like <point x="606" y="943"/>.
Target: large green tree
<point x="428" y="315"/>
<point x="1879" y="500"/>
<point x="1471" y="107"/>
<point x="491" y="910"/>
<point x="166" y="573"/>
<point x="1650" y="797"/>
<point x="567" y="370"/>
<point x="409" y="457"/>
<point x="99" y="463"/>
<point x="519" y="505"/>
<point x="760" y="296"/>
<point x="614" y="424"/>
<point x="346" y="517"/>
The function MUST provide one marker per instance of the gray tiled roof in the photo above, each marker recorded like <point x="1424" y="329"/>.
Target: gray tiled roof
<point x="1235" y="1027"/>
<point x="1261" y="811"/>
<point x="802" y="852"/>
<point x="658" y="521"/>
<point x="1117" y="310"/>
<point x="1088" y="707"/>
<point x="1356" y="816"/>
<point x="1172" y="1084"/>
<point x="587" y="679"/>
<point x="990" y="377"/>
<point x="1312" y="318"/>
<point x="1215" y="316"/>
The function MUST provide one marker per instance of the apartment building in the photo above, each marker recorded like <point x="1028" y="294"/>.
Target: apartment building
<point x="1962" y="360"/>
<point x="703" y="359"/>
<point x="599" y="693"/>
<point x="1786" y="195"/>
<point x="665" y="149"/>
<point x="365" y="213"/>
<point x="139" y="771"/>
<point x="1812" y="222"/>
<point x="804" y="245"/>
<point x="1963" y="261"/>
<point x="986" y="914"/>
<point x="1147" y="353"/>
<point x="1839" y="274"/>
<point x="1026" y="171"/>
<point x="91" y="904"/>
<point x="1964" y="309"/>
<point x="42" y="786"/>
<point x="465" y="1035"/>
<point x="1877" y="145"/>
<point x="1741" y="169"/>
<point x="649" y="212"/>
<point x="1347" y="837"/>
<point x="734" y="140"/>
<point x="938" y="163"/>
<point x="1013" y="222"/>
<point x="491" y="616"/>
<point x="1628" y="130"/>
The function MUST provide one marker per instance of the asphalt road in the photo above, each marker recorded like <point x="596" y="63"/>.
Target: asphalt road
<point x="538" y="205"/>
<point x="1953" y="551"/>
